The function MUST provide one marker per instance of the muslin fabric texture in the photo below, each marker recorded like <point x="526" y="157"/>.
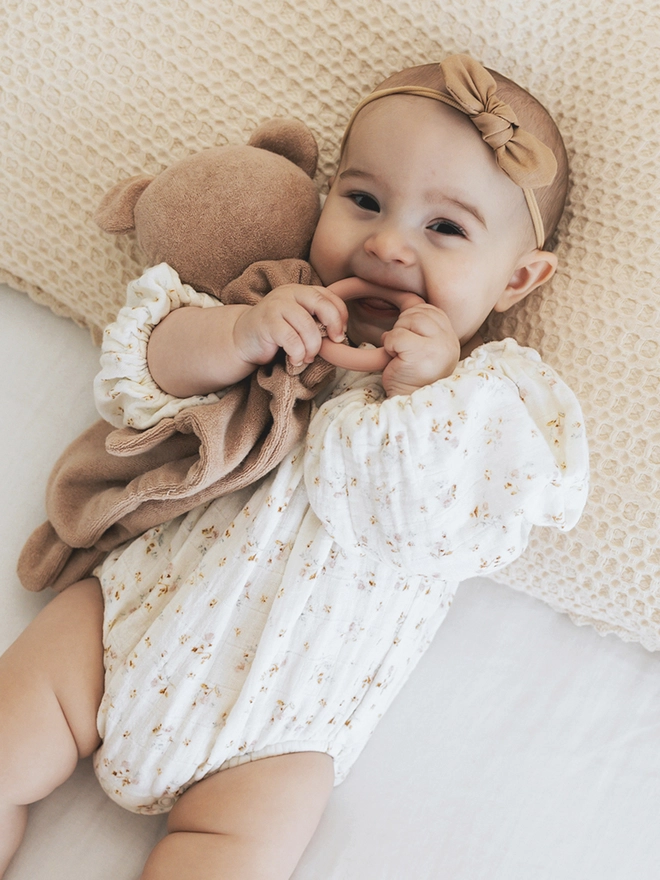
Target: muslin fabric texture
<point x="286" y="616"/>
<point x="92" y="93"/>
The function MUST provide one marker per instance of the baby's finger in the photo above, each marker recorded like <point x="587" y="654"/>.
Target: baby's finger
<point x="329" y="308"/>
<point x="400" y="341"/>
<point x="299" y="335"/>
<point x="284" y="335"/>
<point x="424" y="319"/>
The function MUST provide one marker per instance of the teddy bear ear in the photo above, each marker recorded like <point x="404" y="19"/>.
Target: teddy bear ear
<point x="115" y="213"/>
<point x="291" y="139"/>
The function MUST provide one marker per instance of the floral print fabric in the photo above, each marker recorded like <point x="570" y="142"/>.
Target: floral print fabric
<point x="286" y="617"/>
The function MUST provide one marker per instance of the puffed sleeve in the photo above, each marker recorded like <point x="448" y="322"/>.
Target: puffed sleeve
<point x="125" y="393"/>
<point x="448" y="481"/>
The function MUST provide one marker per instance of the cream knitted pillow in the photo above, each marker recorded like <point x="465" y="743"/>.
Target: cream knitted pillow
<point x="93" y="92"/>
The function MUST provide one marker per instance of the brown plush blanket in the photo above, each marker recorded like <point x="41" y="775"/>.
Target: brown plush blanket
<point x="111" y="485"/>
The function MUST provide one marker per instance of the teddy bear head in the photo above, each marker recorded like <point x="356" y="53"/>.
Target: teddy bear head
<point x="212" y="214"/>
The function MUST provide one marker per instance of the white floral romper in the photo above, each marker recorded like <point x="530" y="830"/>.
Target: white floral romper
<point x="286" y="616"/>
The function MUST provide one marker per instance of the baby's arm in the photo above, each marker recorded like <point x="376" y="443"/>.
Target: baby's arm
<point x="197" y="351"/>
<point x="448" y="481"/>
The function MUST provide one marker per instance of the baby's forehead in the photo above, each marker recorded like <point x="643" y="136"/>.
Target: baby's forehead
<point x="388" y="114"/>
<point x="448" y="157"/>
<point x="423" y="121"/>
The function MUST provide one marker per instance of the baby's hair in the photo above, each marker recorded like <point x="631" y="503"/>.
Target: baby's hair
<point x="534" y="117"/>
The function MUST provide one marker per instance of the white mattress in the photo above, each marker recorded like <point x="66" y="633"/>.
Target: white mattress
<point x="523" y="748"/>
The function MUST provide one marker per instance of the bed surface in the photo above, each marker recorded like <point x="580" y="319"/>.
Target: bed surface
<point x="523" y="747"/>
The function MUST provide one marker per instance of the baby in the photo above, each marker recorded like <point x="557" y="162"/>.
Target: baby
<point x="229" y="665"/>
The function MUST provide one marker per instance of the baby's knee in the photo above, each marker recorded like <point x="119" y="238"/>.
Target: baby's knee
<point x="37" y="750"/>
<point x="51" y="682"/>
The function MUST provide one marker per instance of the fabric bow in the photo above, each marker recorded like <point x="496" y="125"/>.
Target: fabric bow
<point x="522" y="156"/>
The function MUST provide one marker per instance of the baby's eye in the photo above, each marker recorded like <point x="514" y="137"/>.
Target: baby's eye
<point x="365" y="201"/>
<point x="446" y="227"/>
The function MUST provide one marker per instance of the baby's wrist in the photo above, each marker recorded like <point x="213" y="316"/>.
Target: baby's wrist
<point x="245" y="352"/>
<point x="400" y="390"/>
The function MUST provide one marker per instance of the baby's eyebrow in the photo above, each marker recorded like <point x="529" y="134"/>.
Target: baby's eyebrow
<point x="356" y="172"/>
<point x="435" y="197"/>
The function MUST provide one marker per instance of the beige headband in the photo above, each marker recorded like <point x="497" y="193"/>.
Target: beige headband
<point x="522" y="156"/>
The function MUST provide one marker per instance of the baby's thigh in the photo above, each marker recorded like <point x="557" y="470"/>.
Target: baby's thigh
<point x="51" y="678"/>
<point x="51" y="682"/>
<point x="270" y="808"/>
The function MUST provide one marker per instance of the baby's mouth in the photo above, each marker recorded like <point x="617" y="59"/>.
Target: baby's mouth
<point x="376" y="307"/>
<point x="384" y="294"/>
<point x="377" y="304"/>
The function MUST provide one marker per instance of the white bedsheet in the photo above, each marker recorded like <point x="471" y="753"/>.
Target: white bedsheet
<point x="523" y="748"/>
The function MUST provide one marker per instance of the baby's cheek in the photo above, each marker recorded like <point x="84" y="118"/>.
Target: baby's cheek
<point x="326" y="254"/>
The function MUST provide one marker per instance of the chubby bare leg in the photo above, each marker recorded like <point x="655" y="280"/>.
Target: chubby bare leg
<point x="251" y="822"/>
<point x="51" y="683"/>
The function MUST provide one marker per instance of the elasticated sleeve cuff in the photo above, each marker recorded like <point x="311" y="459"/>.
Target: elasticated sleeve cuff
<point x="125" y="392"/>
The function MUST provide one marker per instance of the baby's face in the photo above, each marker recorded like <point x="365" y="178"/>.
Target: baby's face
<point x="419" y="204"/>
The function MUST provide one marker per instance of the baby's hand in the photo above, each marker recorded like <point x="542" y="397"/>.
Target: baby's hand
<point x="423" y="347"/>
<point x="283" y="319"/>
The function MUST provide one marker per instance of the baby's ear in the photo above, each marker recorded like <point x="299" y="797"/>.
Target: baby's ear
<point x="116" y="212"/>
<point x="533" y="270"/>
<point x="289" y="138"/>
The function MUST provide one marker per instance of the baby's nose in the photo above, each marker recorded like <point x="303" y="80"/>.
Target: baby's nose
<point x="390" y="245"/>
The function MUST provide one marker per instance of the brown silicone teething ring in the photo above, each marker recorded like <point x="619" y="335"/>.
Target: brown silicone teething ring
<point x="366" y="360"/>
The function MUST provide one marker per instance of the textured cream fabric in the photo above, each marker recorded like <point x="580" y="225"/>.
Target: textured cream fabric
<point x="93" y="92"/>
<point x="296" y="610"/>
